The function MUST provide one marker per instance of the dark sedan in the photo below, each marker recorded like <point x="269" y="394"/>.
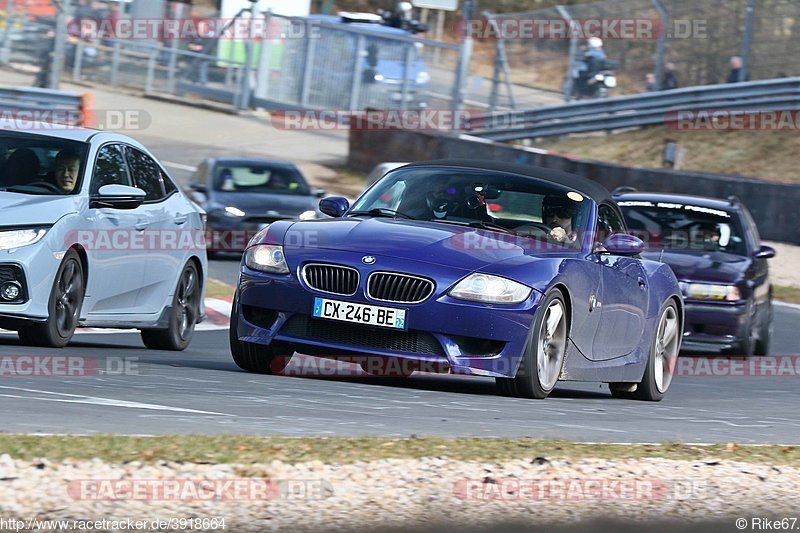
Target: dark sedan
<point x="714" y="249"/>
<point x="243" y="196"/>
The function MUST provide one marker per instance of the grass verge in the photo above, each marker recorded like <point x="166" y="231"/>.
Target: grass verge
<point x="790" y="295"/>
<point x="217" y="289"/>
<point x="761" y="154"/>
<point x="248" y="450"/>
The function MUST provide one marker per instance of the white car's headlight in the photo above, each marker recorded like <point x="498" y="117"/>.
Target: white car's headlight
<point x="490" y="289"/>
<point x="21" y="237"/>
<point x="234" y="212"/>
<point x="266" y="258"/>
<point x="706" y="291"/>
<point x="308" y="215"/>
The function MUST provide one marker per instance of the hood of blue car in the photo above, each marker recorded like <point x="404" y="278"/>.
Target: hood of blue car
<point x="28" y="210"/>
<point x="702" y="266"/>
<point x="442" y="244"/>
<point x="259" y="204"/>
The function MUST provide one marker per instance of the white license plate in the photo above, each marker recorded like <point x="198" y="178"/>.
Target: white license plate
<point x="372" y="315"/>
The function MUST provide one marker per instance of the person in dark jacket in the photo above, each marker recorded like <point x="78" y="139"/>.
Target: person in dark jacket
<point x="736" y="69"/>
<point x="669" y="80"/>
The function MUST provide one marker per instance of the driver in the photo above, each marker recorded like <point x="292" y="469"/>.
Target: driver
<point x="68" y="164"/>
<point x="559" y="213"/>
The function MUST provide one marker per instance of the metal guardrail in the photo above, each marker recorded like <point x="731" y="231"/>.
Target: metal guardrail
<point x="634" y="111"/>
<point x="29" y="103"/>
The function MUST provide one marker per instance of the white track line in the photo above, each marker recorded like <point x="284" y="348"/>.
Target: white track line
<point x="94" y="400"/>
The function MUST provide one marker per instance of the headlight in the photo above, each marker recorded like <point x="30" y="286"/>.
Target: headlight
<point x="423" y="78"/>
<point x="598" y="77"/>
<point x="490" y="289"/>
<point x="705" y="291"/>
<point x="610" y="82"/>
<point x="266" y="258"/>
<point x="379" y="77"/>
<point x="308" y="215"/>
<point x="20" y="237"/>
<point x="234" y="212"/>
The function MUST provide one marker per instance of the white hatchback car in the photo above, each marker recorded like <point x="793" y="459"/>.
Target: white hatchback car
<point x="93" y="232"/>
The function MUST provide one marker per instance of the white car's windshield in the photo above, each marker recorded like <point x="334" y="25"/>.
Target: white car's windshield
<point x="40" y="165"/>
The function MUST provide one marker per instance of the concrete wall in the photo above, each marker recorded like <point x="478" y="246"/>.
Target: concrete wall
<point x="775" y="206"/>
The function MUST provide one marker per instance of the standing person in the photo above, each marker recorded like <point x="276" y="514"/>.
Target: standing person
<point x="736" y="69"/>
<point x="650" y="82"/>
<point x="669" y="80"/>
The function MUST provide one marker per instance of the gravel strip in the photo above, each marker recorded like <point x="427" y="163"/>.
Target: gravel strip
<point x="402" y="493"/>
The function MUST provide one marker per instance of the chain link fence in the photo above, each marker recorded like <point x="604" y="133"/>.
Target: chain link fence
<point x="700" y="37"/>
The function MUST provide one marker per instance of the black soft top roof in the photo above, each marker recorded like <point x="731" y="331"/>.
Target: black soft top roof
<point x="585" y="186"/>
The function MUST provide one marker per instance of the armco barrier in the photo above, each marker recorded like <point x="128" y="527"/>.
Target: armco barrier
<point x="74" y="108"/>
<point x="639" y="110"/>
<point x="773" y="205"/>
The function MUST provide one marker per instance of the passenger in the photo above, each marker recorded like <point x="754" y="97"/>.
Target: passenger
<point x="558" y="213"/>
<point x="22" y="168"/>
<point x="68" y="165"/>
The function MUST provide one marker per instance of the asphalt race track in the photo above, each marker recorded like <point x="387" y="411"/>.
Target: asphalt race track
<point x="200" y="391"/>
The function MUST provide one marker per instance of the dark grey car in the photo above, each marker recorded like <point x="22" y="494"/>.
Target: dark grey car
<point x="243" y="196"/>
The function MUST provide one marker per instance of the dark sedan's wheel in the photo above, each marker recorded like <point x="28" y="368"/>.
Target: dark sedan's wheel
<point x="544" y="355"/>
<point x="764" y="333"/>
<point x="660" y="364"/>
<point x="64" y="307"/>
<point x="183" y="315"/>
<point x="255" y="358"/>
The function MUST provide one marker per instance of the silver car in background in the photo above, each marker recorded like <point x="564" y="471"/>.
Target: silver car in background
<point x="94" y="232"/>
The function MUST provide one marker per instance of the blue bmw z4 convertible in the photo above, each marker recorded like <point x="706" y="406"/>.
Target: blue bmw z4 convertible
<point x="519" y="273"/>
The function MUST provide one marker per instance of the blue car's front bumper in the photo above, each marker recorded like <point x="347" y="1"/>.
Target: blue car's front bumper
<point x="467" y="337"/>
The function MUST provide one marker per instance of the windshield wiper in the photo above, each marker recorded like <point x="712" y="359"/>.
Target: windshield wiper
<point x="382" y="212"/>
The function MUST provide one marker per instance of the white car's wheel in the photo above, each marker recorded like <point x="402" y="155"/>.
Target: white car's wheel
<point x="64" y="307"/>
<point x="183" y="315"/>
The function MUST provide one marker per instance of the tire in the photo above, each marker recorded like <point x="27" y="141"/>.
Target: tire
<point x="544" y="353"/>
<point x="183" y="315"/>
<point x="64" y="307"/>
<point x="664" y="350"/>
<point x="254" y="358"/>
<point x="764" y="334"/>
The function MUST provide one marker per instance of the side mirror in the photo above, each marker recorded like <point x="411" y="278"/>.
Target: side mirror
<point x="623" y="244"/>
<point x="335" y="206"/>
<point x="765" y="252"/>
<point x="117" y="197"/>
<point x="319" y="193"/>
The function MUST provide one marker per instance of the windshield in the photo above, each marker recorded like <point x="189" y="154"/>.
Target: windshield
<point x="41" y="165"/>
<point x="680" y="226"/>
<point x="480" y="198"/>
<point x="260" y="179"/>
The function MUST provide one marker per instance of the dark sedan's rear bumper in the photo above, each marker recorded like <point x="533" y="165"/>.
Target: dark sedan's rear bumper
<point x="714" y="326"/>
